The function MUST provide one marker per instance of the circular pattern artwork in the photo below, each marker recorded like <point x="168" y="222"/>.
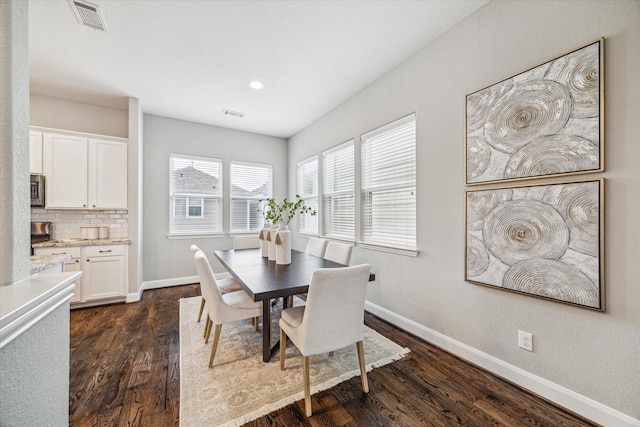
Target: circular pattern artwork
<point x="544" y="121"/>
<point x="531" y="110"/>
<point x="480" y="204"/>
<point x="478" y="104"/>
<point x="552" y="279"/>
<point x="538" y="239"/>
<point x="551" y="155"/>
<point x="478" y="156"/>
<point x="524" y="229"/>
<point x="477" y="256"/>
<point x="578" y="206"/>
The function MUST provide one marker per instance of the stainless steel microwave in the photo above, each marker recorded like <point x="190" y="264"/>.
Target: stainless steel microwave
<point x="37" y="190"/>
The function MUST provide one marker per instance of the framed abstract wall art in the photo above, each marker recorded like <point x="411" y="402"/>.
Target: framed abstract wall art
<point x="544" y="240"/>
<point x="546" y="121"/>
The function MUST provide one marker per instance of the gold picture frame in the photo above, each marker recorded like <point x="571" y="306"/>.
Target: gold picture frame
<point x="544" y="240"/>
<point x="543" y="122"/>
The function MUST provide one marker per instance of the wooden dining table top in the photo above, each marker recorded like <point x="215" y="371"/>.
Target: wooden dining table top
<point x="263" y="279"/>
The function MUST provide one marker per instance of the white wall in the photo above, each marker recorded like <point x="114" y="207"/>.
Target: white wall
<point x="34" y="374"/>
<point x="14" y="142"/>
<point x="590" y="353"/>
<point x="166" y="259"/>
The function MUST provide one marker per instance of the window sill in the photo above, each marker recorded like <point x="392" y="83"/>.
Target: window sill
<point x="179" y="236"/>
<point x="389" y="249"/>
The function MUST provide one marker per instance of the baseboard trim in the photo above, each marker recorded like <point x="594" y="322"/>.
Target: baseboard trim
<point x="165" y="283"/>
<point x="564" y="397"/>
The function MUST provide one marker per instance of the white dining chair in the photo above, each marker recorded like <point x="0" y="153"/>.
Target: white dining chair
<point x="316" y="246"/>
<point x="223" y="308"/>
<point x="338" y="252"/>
<point x="333" y="318"/>
<point x="246" y="242"/>
<point x="224" y="281"/>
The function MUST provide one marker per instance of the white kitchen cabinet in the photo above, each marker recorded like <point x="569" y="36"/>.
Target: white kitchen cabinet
<point x="84" y="173"/>
<point x="107" y="174"/>
<point x="104" y="272"/>
<point x="73" y="264"/>
<point x="35" y="152"/>
<point x="66" y="171"/>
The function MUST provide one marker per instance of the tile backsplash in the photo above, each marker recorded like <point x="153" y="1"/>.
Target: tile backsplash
<point x="65" y="224"/>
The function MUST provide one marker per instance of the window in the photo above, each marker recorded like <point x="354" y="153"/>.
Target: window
<point x="338" y="199"/>
<point x="194" y="207"/>
<point x="308" y="191"/>
<point x="250" y="182"/>
<point x="195" y="194"/>
<point x="389" y="185"/>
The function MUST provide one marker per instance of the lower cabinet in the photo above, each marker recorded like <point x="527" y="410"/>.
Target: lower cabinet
<point x="104" y="271"/>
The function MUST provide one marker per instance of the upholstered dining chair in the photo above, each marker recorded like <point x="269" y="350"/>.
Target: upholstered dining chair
<point x="246" y="242"/>
<point x="224" y="281"/>
<point x="223" y="308"/>
<point x="338" y="252"/>
<point x="316" y="246"/>
<point x="333" y="318"/>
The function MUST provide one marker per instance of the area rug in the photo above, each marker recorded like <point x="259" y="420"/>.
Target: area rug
<point x="241" y="387"/>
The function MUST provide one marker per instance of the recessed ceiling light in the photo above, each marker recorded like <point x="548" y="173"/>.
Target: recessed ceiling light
<point x="256" y="85"/>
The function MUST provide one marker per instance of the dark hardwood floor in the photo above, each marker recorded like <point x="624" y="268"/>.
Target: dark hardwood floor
<point x="125" y="371"/>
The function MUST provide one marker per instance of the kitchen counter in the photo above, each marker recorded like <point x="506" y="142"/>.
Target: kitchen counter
<point x="79" y="242"/>
<point x="25" y="303"/>
<point x="40" y="263"/>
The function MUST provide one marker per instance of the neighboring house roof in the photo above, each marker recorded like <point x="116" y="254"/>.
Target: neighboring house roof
<point x="190" y="180"/>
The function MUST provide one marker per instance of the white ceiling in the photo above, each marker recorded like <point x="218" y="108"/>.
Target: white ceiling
<point x="190" y="59"/>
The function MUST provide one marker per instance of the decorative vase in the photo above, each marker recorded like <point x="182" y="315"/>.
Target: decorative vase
<point x="283" y="245"/>
<point x="264" y="243"/>
<point x="272" y="242"/>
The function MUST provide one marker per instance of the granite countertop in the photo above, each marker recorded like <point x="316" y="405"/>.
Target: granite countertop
<point x="79" y="242"/>
<point x="42" y="262"/>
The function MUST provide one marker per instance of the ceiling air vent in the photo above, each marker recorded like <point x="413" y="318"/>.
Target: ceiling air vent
<point x="88" y="14"/>
<point x="233" y="113"/>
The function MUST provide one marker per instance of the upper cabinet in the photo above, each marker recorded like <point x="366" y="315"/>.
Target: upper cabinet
<point x="35" y="152"/>
<point x="84" y="172"/>
<point x="107" y="174"/>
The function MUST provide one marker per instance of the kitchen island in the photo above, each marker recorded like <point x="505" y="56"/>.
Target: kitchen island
<point x="34" y="349"/>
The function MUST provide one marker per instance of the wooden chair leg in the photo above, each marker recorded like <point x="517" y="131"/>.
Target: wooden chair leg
<point x="363" y="369"/>
<point x="206" y="323"/>
<point x="283" y="347"/>
<point x="201" y="309"/>
<point x="307" y="387"/>
<point x="256" y="322"/>
<point x="214" y="346"/>
<point x="207" y="332"/>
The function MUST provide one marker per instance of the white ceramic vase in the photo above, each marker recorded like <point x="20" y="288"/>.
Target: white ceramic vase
<point x="264" y="243"/>
<point x="283" y="245"/>
<point x="272" y="242"/>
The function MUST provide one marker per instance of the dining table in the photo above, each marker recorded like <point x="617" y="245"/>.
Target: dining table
<point x="265" y="280"/>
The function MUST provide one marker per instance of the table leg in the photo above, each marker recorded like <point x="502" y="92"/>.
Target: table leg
<point x="266" y="330"/>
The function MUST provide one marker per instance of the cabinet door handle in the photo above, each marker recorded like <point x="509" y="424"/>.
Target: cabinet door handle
<point x="58" y="253"/>
<point x="103" y="252"/>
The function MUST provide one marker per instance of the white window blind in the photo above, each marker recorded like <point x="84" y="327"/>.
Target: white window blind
<point x="308" y="191"/>
<point x="338" y="198"/>
<point x="195" y="194"/>
<point x="250" y="182"/>
<point x="389" y="185"/>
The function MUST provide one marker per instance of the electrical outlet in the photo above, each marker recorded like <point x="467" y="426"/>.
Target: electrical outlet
<point x="525" y="340"/>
